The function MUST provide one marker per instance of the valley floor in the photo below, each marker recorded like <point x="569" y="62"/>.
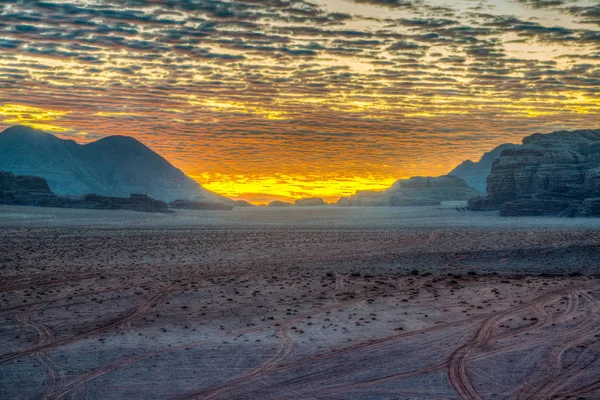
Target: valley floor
<point x="423" y="303"/>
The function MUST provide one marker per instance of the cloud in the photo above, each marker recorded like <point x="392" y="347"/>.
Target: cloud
<point x="406" y="4"/>
<point x="545" y="3"/>
<point x="249" y="89"/>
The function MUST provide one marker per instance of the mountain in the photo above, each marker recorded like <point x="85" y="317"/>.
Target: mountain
<point x="551" y="174"/>
<point x="114" y="166"/>
<point x="416" y="191"/>
<point x="476" y="173"/>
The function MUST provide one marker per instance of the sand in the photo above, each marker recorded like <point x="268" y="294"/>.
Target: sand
<point x="327" y="303"/>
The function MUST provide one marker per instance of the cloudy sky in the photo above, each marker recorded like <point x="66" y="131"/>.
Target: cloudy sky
<point x="263" y="99"/>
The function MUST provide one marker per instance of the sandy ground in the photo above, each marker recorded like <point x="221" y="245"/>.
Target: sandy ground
<point x="294" y="304"/>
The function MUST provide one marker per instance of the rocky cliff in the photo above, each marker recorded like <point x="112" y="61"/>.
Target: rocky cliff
<point x="135" y="202"/>
<point x="199" y="205"/>
<point x="278" y="203"/>
<point x="551" y="174"/>
<point x="476" y="173"/>
<point x="25" y="190"/>
<point x="310" y="202"/>
<point x="416" y="191"/>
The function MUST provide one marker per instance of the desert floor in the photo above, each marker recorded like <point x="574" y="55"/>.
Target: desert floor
<point x="323" y="303"/>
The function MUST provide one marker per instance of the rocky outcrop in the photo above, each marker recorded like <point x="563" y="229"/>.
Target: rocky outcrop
<point x="25" y="190"/>
<point x="22" y="190"/>
<point x="199" y="205"/>
<point x="476" y="173"/>
<point x="278" y="203"/>
<point x="552" y="174"/>
<point x="135" y="202"/>
<point x="310" y="202"/>
<point x="242" y="203"/>
<point x="590" y="207"/>
<point x="416" y="191"/>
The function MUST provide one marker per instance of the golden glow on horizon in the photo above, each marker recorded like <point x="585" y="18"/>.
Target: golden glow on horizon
<point x="289" y="187"/>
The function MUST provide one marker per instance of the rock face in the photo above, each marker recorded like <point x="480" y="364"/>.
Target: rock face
<point x="199" y="205"/>
<point x="552" y="174"/>
<point x="416" y="191"/>
<point x="278" y="203"/>
<point x="25" y="190"/>
<point x="310" y="202"/>
<point x="135" y="202"/>
<point x="476" y="173"/>
<point x="114" y="166"/>
<point x="243" y="203"/>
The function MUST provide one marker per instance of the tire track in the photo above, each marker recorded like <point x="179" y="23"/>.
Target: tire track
<point x="553" y="375"/>
<point x="93" y="374"/>
<point x="284" y="349"/>
<point x="45" y="337"/>
<point x="140" y="310"/>
<point x="544" y="319"/>
<point x="458" y="375"/>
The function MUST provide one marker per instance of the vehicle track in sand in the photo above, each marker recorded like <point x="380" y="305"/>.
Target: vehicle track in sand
<point x="543" y="320"/>
<point x="573" y="394"/>
<point x="91" y="375"/>
<point x="458" y="375"/>
<point x="273" y="363"/>
<point x="284" y="349"/>
<point x="269" y="366"/>
<point x="139" y="310"/>
<point x="552" y="376"/>
<point x="45" y="336"/>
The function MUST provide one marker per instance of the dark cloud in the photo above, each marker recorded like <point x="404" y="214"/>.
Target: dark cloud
<point x="590" y="14"/>
<point x="545" y="3"/>
<point x="406" y="4"/>
<point x="407" y="45"/>
<point x="426" y="22"/>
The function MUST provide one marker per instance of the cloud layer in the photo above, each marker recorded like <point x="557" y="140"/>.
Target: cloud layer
<point x="302" y="98"/>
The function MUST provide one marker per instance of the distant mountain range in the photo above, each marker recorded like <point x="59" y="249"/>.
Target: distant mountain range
<point x="112" y="166"/>
<point x="415" y="191"/>
<point x="476" y="173"/>
<point x="553" y="174"/>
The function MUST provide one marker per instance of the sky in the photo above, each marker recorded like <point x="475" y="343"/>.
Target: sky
<point x="274" y="99"/>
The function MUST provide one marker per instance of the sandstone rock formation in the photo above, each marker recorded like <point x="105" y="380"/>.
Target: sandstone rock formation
<point x="242" y="203"/>
<point x="25" y="190"/>
<point x="278" y="203"/>
<point x="310" y="202"/>
<point x="135" y="202"/>
<point x="476" y="173"/>
<point x="199" y="205"/>
<point x="416" y="191"/>
<point x="552" y="174"/>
